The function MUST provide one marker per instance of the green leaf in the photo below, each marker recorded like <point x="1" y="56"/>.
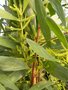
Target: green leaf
<point x="58" y="8"/>
<point x="41" y="14"/>
<point x="15" y="76"/>
<point x="25" y="4"/>
<point x="32" y="5"/>
<point x="56" y="70"/>
<point x="2" y="87"/>
<point x="40" y="50"/>
<point x="6" y="42"/>
<point x="53" y="26"/>
<point x="48" y="24"/>
<point x="5" y="80"/>
<point x="41" y="85"/>
<point x="6" y="15"/>
<point x="5" y="52"/>
<point x="51" y="10"/>
<point x="1" y="25"/>
<point x="12" y="64"/>
<point x="50" y="88"/>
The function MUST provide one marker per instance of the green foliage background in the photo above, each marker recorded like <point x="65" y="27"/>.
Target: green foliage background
<point x="32" y="35"/>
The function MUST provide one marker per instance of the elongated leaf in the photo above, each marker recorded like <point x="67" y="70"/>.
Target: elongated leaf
<point x="40" y="50"/>
<point x="51" y="10"/>
<point x="56" y="70"/>
<point x="32" y="4"/>
<point x="6" y="15"/>
<point x="57" y="31"/>
<point x="25" y="4"/>
<point x="5" y="52"/>
<point x="12" y="64"/>
<point x="57" y="6"/>
<point x="41" y="85"/>
<point x="50" y="88"/>
<point x="7" y="82"/>
<point x="6" y="42"/>
<point x="1" y="26"/>
<point x="41" y="14"/>
<point x="2" y="87"/>
<point x="15" y="76"/>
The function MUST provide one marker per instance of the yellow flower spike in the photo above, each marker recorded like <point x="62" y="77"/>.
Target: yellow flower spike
<point x="17" y="9"/>
<point x="14" y="9"/>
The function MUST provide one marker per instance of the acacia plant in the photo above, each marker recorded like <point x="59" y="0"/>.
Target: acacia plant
<point x="33" y="46"/>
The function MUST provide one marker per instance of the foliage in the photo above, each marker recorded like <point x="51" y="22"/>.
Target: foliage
<point x="33" y="47"/>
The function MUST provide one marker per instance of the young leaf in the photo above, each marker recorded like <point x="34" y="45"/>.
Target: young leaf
<point x="40" y="50"/>
<point x="6" y="15"/>
<point x="56" y="70"/>
<point x="58" y="8"/>
<point x="41" y="85"/>
<point x="12" y="64"/>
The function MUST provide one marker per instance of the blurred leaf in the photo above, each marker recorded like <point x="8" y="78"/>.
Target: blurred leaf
<point x="56" y="70"/>
<point x="51" y="10"/>
<point x="9" y="10"/>
<point x="7" y="82"/>
<point x="2" y="87"/>
<point x="41" y="14"/>
<point x="15" y="76"/>
<point x="41" y="85"/>
<point x="53" y="26"/>
<point x="59" y="10"/>
<point x="10" y="2"/>
<point x="25" y="4"/>
<point x="6" y="15"/>
<point x="1" y="24"/>
<point x="6" y="42"/>
<point x="32" y="5"/>
<point x="6" y="52"/>
<point x="50" y="88"/>
<point x="12" y="64"/>
<point x="56" y="45"/>
<point x="40" y="50"/>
